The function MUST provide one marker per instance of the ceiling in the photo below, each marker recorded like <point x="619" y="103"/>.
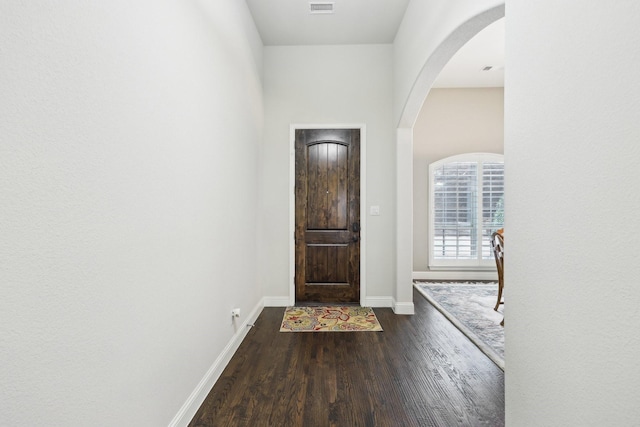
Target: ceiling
<point x="466" y="67"/>
<point x="290" y="23"/>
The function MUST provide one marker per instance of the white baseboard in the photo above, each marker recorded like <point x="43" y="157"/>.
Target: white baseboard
<point x="367" y="302"/>
<point x="455" y="275"/>
<point x="403" y="308"/>
<point x="193" y="403"/>
<point x="276" y="302"/>
<point x="377" y="302"/>
<point x="398" y="308"/>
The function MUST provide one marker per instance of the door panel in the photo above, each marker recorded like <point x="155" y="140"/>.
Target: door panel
<point x="327" y="264"/>
<point x="327" y="186"/>
<point x="327" y="215"/>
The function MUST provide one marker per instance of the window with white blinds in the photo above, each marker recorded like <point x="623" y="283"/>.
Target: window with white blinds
<point x="466" y="205"/>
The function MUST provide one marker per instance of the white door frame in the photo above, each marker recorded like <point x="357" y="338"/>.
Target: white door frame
<point x="292" y="203"/>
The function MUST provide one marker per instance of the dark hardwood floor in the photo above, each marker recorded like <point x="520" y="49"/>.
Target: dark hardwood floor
<point x="421" y="371"/>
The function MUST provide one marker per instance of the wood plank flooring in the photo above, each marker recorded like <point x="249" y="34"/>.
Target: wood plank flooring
<point x="421" y="371"/>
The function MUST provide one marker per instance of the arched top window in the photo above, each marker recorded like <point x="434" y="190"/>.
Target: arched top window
<point x="466" y="205"/>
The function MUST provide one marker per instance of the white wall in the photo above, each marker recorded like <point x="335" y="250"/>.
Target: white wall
<point x="430" y="33"/>
<point x="572" y="103"/>
<point x="452" y="121"/>
<point x="328" y="85"/>
<point x="571" y="133"/>
<point x="129" y="137"/>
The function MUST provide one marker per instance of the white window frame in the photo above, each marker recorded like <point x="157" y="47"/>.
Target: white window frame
<point x="460" y="264"/>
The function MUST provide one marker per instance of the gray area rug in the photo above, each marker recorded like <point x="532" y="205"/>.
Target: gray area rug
<point x="469" y="306"/>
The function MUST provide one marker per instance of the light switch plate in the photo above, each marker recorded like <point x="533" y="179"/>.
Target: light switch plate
<point x="374" y="210"/>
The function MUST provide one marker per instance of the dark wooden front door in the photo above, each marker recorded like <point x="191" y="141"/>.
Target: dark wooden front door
<point x="327" y="228"/>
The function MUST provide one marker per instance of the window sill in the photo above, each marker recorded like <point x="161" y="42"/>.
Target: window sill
<point x="463" y="275"/>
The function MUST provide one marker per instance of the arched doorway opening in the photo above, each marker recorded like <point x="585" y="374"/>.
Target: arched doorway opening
<point x="404" y="148"/>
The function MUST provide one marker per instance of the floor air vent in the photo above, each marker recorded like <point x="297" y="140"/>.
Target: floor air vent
<point x="320" y="7"/>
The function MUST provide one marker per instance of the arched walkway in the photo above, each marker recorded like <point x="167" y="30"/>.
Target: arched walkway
<point x="404" y="148"/>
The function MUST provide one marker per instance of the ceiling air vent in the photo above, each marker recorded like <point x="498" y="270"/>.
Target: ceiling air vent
<point x="320" y="7"/>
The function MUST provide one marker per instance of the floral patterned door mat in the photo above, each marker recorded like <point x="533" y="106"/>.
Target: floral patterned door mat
<point x="329" y="319"/>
